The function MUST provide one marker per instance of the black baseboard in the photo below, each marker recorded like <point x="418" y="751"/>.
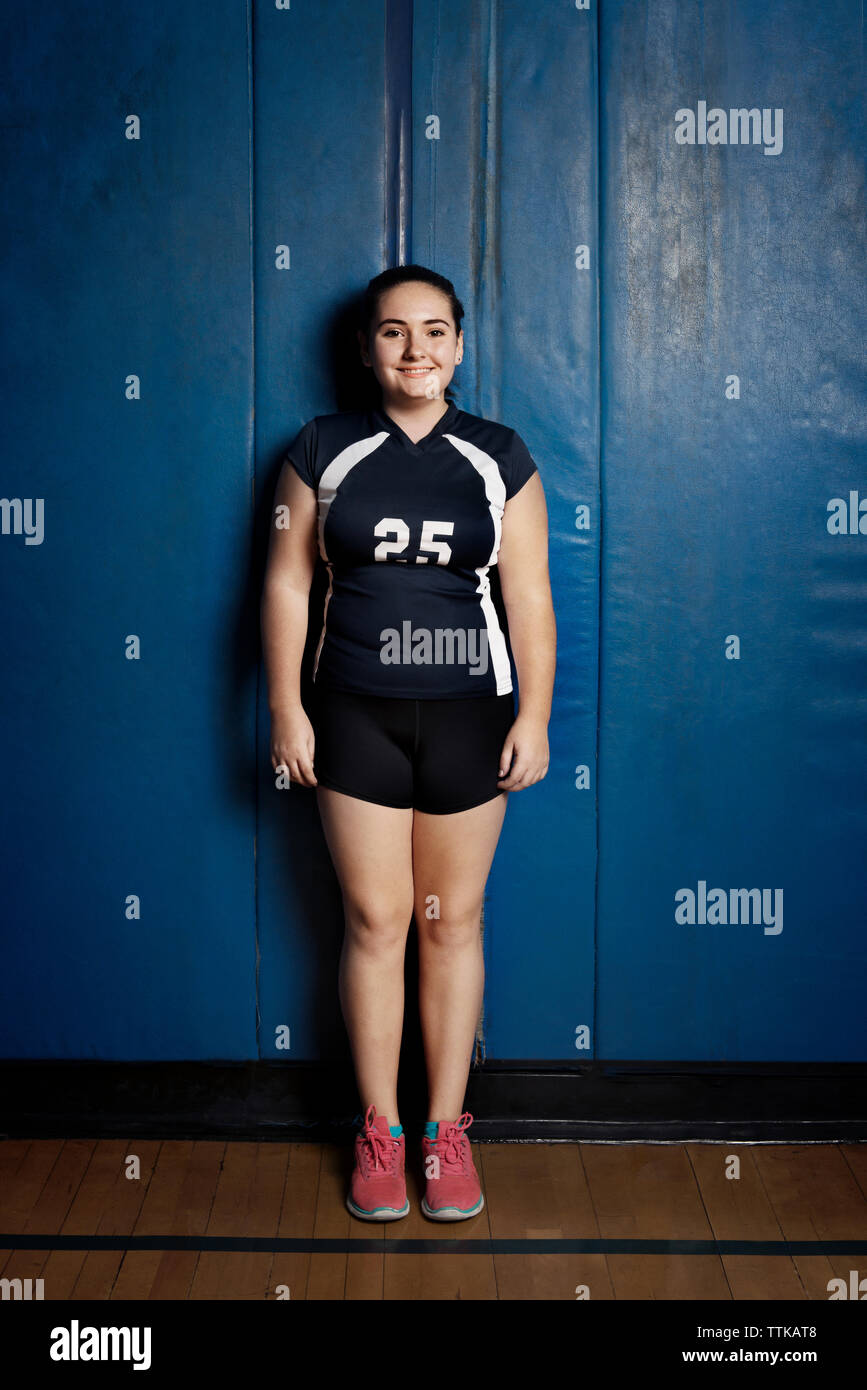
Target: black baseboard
<point x="797" y="1102"/>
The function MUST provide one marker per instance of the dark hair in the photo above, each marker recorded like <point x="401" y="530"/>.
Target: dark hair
<point x="401" y="275"/>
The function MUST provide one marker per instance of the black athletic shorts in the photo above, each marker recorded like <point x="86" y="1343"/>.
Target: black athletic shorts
<point x="438" y="756"/>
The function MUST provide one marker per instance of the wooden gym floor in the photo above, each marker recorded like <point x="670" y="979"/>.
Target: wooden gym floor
<point x="214" y="1220"/>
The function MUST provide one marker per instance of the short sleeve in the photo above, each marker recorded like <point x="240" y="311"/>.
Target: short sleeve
<point x="518" y="465"/>
<point x="302" y="454"/>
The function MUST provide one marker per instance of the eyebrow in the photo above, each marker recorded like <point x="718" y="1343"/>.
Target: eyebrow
<point x="403" y="321"/>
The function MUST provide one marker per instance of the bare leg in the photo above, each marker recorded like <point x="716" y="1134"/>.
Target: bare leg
<point x="452" y="857"/>
<point x="371" y="847"/>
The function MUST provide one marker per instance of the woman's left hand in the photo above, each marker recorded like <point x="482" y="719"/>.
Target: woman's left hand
<point x="528" y="741"/>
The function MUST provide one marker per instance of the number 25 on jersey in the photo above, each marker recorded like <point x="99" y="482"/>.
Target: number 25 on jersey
<point x="394" y="525"/>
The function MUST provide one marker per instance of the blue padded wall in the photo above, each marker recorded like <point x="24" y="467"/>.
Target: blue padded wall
<point x="128" y="814"/>
<point x="676" y="329"/>
<point x="732" y="735"/>
<point x="503" y="197"/>
<point x="320" y="195"/>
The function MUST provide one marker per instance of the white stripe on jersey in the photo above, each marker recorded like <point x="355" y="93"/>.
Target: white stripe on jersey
<point x="495" y="491"/>
<point x="327" y="490"/>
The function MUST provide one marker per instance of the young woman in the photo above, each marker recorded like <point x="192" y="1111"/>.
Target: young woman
<point x="413" y="742"/>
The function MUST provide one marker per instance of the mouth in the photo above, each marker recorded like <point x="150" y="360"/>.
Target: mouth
<point x="416" y="371"/>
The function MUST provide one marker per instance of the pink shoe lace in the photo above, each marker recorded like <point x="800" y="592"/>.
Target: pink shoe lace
<point x="375" y="1150"/>
<point x="451" y="1149"/>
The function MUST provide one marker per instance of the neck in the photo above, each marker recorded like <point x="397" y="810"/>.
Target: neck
<point x="416" y="416"/>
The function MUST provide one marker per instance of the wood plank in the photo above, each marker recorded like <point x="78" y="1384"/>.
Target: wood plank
<point x="98" y="1275"/>
<point x="855" y="1156"/>
<point x="795" y="1192"/>
<point x="13" y="1152"/>
<point x="167" y="1274"/>
<point x="434" y="1278"/>
<point x="58" y="1193"/>
<point x="60" y="1269"/>
<point x="246" y="1203"/>
<point x="813" y="1191"/>
<point x="815" y="1196"/>
<point x="739" y="1209"/>
<point x="100" y="1198"/>
<point x="121" y="1206"/>
<point x="297" y="1219"/>
<point x="26" y="1264"/>
<point x="364" y="1272"/>
<point x="329" y="1276"/>
<point x="178" y="1202"/>
<point x="95" y="1188"/>
<point x="28" y="1171"/>
<point x="649" y="1192"/>
<point x="540" y="1191"/>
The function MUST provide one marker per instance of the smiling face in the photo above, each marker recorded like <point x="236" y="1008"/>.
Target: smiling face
<point x="412" y="348"/>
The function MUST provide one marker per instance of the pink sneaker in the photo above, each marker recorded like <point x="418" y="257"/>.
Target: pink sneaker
<point x="452" y="1188"/>
<point x="377" y="1190"/>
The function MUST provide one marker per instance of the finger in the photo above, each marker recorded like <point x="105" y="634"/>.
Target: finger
<point x="506" y="757"/>
<point x="524" y="775"/>
<point x="305" y="772"/>
<point x="306" y="764"/>
<point x="512" y="781"/>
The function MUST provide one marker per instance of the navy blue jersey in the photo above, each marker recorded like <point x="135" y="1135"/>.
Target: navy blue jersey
<point x="409" y="533"/>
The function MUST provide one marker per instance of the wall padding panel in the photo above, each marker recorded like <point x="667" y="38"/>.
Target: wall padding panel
<point x="668" y="304"/>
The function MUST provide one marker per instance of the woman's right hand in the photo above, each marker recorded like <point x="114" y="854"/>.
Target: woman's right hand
<point x="292" y="744"/>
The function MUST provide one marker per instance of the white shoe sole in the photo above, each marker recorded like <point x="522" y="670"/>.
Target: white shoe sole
<point x="451" y="1213"/>
<point x="384" y="1214"/>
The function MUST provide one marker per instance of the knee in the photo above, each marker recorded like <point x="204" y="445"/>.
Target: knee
<point x="377" y="926"/>
<point x="450" y="924"/>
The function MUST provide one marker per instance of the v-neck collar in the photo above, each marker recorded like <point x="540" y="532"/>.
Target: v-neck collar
<point x="420" y="446"/>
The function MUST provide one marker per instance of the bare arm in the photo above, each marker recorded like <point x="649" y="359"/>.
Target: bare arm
<point x="292" y="550"/>
<point x="526" y="590"/>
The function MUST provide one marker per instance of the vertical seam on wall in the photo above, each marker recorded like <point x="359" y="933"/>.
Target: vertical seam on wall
<point x="397" y="204"/>
<point x="487" y="297"/>
<point x="594" y="1049"/>
<point x="251" y="454"/>
<point x="431" y="105"/>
